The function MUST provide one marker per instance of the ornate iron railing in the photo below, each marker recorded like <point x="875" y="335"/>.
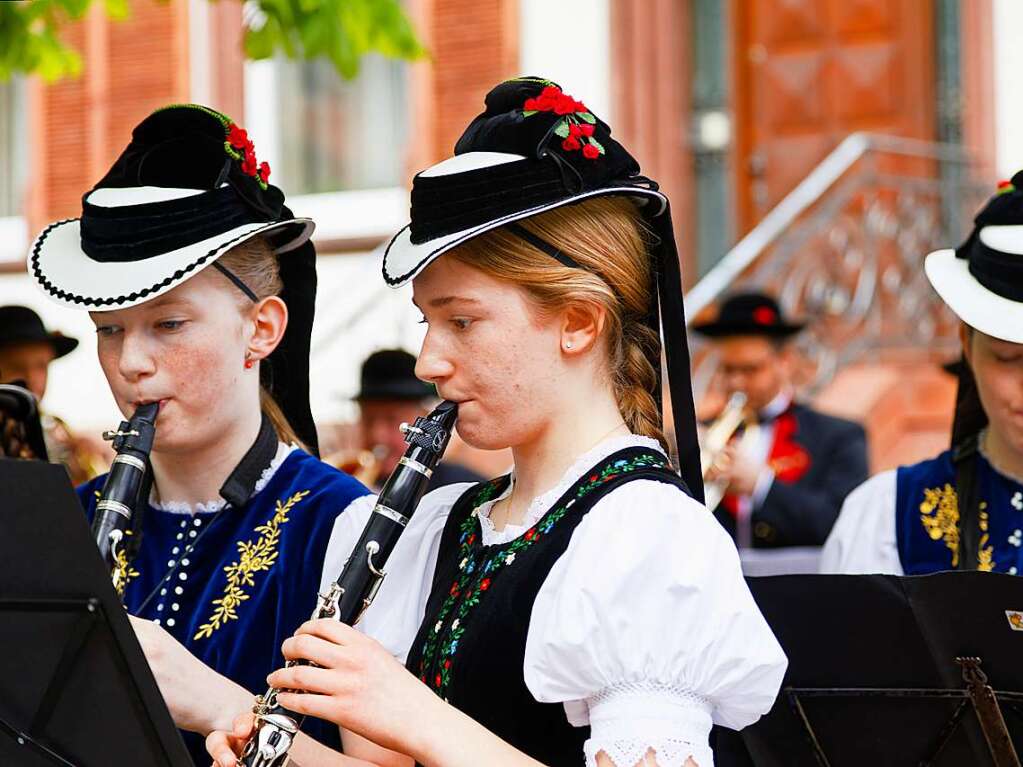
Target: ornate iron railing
<point x="844" y="251"/>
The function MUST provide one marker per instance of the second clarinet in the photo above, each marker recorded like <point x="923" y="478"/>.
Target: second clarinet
<point x="361" y="576"/>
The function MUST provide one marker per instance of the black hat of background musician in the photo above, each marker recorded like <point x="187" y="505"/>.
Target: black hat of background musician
<point x="186" y="189"/>
<point x="20" y="325"/>
<point x="749" y="314"/>
<point x="532" y="149"/>
<point x="390" y="374"/>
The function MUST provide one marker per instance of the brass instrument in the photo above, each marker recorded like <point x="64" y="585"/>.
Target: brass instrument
<point x="714" y="440"/>
<point x="83" y="461"/>
<point x="364" y="465"/>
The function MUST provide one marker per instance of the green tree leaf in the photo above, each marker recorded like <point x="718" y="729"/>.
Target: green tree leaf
<point x="587" y="117"/>
<point x="562" y="129"/>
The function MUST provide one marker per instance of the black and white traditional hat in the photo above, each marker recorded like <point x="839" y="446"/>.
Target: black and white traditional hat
<point x="982" y="280"/>
<point x="532" y="149"/>
<point x="185" y="190"/>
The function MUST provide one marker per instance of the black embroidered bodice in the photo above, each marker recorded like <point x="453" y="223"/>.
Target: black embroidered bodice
<point x="471" y="646"/>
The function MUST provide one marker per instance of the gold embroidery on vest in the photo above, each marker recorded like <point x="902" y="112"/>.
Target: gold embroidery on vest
<point x="254" y="556"/>
<point x="985" y="553"/>
<point x="939" y="514"/>
<point x="123" y="571"/>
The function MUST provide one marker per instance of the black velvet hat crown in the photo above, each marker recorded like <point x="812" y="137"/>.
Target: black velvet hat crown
<point x="390" y="374"/>
<point x="186" y="189"/>
<point x="532" y="149"/>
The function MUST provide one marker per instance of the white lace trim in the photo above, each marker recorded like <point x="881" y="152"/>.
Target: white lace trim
<point x="629" y="752"/>
<point x="206" y="507"/>
<point x="630" y="718"/>
<point x="542" y="503"/>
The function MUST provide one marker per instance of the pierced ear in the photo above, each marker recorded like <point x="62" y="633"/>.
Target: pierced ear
<point x="269" y="320"/>
<point x="581" y="327"/>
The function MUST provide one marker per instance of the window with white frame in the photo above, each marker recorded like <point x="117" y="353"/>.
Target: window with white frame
<point x="13" y="154"/>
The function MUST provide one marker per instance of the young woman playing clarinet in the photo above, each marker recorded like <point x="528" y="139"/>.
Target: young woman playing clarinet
<point x="587" y="606"/>
<point x="236" y="528"/>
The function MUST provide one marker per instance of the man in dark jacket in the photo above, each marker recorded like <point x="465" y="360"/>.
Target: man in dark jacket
<point x="788" y="470"/>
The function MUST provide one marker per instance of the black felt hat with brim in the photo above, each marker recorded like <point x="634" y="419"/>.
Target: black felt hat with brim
<point x="21" y="325"/>
<point x="186" y="189"/>
<point x="390" y="374"/>
<point x="981" y="281"/>
<point x="532" y="149"/>
<point x="749" y="314"/>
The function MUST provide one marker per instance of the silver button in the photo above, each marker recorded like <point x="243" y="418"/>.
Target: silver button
<point x="184" y="562"/>
<point x="178" y="590"/>
<point x="170" y="621"/>
<point x="180" y="536"/>
<point x="175" y="607"/>
<point x="159" y="608"/>
<point x="157" y="621"/>
<point x="175" y="550"/>
<point x="197" y="522"/>
<point x="170" y="563"/>
<point x="183" y="576"/>
<point x="191" y="534"/>
<point x="184" y="523"/>
<point x="163" y="592"/>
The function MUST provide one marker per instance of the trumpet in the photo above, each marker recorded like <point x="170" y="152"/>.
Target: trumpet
<point x="715" y="439"/>
<point x="364" y="465"/>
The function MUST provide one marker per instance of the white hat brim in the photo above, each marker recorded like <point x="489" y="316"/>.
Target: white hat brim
<point x="974" y="304"/>
<point x="69" y="277"/>
<point x="404" y="259"/>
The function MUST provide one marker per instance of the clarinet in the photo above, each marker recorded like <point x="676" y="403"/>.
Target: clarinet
<point x="127" y="482"/>
<point x="360" y="579"/>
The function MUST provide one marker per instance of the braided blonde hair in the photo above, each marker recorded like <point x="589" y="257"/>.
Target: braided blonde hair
<point x="607" y="238"/>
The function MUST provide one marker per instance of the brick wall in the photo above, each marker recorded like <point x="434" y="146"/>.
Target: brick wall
<point x="472" y="46"/>
<point x="80" y="125"/>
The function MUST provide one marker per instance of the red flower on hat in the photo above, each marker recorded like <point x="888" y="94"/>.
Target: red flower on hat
<point x="240" y="147"/>
<point x="764" y="315"/>
<point x="1004" y="187"/>
<point x="576" y="125"/>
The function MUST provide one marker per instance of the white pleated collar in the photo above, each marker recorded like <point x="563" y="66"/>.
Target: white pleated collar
<point x="543" y="502"/>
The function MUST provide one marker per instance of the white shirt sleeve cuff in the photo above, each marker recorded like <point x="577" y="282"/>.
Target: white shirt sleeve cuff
<point x="628" y="720"/>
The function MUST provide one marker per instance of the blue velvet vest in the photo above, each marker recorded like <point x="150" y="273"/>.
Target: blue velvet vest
<point x="251" y="579"/>
<point x="927" y="516"/>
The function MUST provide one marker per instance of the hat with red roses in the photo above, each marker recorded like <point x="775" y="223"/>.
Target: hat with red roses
<point x="749" y="314"/>
<point x="532" y="149"/>
<point x="186" y="189"/>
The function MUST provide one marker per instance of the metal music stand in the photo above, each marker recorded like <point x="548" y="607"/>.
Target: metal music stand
<point x="75" y="688"/>
<point x="920" y="671"/>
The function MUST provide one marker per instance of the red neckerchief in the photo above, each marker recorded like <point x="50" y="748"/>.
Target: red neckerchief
<point x="788" y="459"/>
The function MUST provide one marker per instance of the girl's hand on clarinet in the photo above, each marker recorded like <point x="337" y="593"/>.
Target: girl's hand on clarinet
<point x="226" y="747"/>
<point x="356" y="684"/>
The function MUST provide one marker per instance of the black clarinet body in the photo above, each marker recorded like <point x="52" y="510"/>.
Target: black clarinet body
<point x="361" y="576"/>
<point x="127" y="482"/>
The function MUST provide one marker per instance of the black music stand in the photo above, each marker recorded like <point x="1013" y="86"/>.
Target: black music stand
<point x="883" y="670"/>
<point x="75" y="688"/>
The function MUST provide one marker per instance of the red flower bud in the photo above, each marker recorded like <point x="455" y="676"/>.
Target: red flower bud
<point x="586" y="130"/>
<point x="264" y="171"/>
<point x="550" y="92"/>
<point x="447" y="663"/>
<point x="485" y="584"/>
<point x="591" y="152"/>
<point x="249" y="164"/>
<point x="436" y="681"/>
<point x="531" y="105"/>
<point x="565" y="105"/>
<point x="764" y="315"/>
<point x="570" y="144"/>
<point x="574" y="129"/>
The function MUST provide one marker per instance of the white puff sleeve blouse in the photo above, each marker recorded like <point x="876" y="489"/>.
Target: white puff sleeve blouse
<point x="644" y="629"/>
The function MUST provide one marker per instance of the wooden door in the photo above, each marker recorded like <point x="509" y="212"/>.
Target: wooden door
<point x="810" y="72"/>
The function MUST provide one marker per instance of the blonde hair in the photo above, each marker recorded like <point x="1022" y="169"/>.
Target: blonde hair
<point x="607" y="238"/>
<point x="255" y="264"/>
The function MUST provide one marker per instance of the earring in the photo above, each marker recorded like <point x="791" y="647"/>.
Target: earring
<point x="248" y="363"/>
<point x="568" y="344"/>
